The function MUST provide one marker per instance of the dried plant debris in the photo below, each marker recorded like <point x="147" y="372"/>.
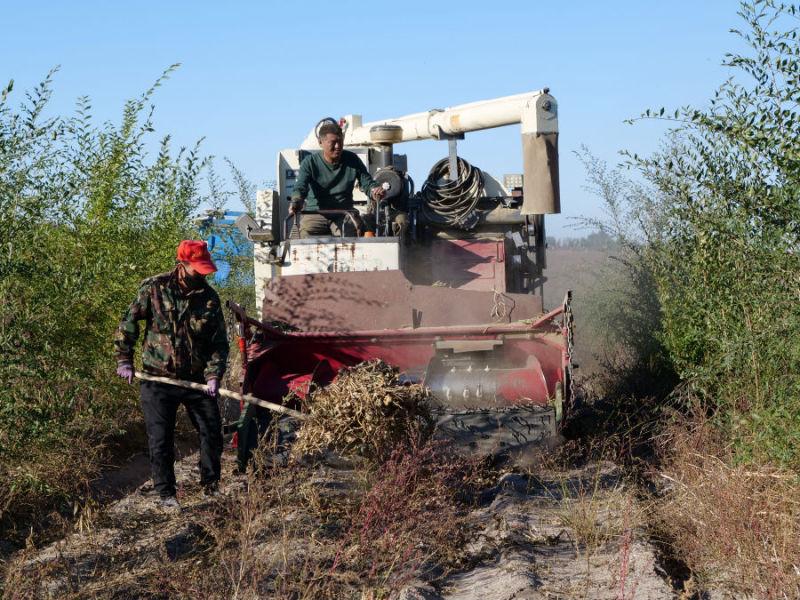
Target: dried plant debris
<point x="367" y="411"/>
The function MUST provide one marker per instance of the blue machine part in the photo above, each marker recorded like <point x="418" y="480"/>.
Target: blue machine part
<point x="223" y="238"/>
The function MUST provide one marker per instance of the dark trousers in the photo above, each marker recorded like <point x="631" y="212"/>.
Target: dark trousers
<point x="160" y="403"/>
<point x="398" y="222"/>
<point x="322" y="226"/>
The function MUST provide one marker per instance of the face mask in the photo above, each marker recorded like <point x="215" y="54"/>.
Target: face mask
<point x="193" y="280"/>
<point x="196" y="279"/>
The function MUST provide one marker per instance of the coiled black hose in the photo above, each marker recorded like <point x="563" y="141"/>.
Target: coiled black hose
<point x="452" y="203"/>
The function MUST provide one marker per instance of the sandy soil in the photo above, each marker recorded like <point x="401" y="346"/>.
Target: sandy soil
<point x="527" y="550"/>
<point x="526" y="546"/>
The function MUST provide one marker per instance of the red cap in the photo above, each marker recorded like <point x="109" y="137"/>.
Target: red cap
<point x="195" y="252"/>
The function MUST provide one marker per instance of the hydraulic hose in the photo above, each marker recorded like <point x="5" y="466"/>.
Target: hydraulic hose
<point x="449" y="203"/>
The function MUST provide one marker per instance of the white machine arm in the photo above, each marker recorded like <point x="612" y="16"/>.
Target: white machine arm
<point x="537" y="112"/>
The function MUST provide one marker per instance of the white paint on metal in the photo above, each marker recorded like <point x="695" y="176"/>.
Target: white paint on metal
<point x="336" y="255"/>
<point x="540" y="115"/>
<point x="492" y="187"/>
<point x="324" y="255"/>
<point x="265" y="200"/>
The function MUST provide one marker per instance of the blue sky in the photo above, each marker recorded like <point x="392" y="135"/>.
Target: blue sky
<point x="256" y="76"/>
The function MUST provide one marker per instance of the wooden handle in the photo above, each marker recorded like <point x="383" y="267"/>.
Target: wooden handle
<point x="250" y="399"/>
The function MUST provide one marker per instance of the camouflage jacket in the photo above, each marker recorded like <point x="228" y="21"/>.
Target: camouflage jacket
<point x="185" y="335"/>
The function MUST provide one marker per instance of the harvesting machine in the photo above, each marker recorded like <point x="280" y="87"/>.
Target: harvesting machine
<point x="455" y="303"/>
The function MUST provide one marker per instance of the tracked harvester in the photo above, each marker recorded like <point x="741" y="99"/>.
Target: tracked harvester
<point x="456" y="304"/>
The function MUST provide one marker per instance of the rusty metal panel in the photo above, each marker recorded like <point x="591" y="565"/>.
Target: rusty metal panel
<point x="324" y="254"/>
<point x="331" y="255"/>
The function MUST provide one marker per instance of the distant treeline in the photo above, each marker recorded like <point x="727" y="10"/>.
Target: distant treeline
<point x="597" y="240"/>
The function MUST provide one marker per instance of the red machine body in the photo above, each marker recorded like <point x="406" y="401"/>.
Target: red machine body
<point x="473" y="349"/>
<point x="454" y="301"/>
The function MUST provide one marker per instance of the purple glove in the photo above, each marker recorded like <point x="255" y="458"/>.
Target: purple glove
<point x="125" y="370"/>
<point x="213" y="388"/>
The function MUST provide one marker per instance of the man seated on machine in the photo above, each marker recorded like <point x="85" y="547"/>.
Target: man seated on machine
<point x="325" y="182"/>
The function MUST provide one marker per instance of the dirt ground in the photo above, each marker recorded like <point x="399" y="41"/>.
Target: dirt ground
<point x="529" y="547"/>
<point x="560" y="534"/>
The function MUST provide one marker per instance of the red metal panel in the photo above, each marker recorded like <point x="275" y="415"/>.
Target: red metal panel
<point x="385" y="300"/>
<point x="469" y="264"/>
<point x="532" y="359"/>
<point x="348" y="318"/>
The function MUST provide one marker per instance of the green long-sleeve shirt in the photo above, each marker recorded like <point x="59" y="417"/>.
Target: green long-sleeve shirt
<point x="185" y="333"/>
<point x="324" y="186"/>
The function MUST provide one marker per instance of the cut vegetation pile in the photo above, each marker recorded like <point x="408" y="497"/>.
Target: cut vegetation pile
<point x="366" y="411"/>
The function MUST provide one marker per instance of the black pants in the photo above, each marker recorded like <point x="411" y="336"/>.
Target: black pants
<point x="313" y="225"/>
<point x="160" y="403"/>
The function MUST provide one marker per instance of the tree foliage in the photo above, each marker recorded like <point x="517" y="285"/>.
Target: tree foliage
<point x="86" y="212"/>
<point x="723" y="238"/>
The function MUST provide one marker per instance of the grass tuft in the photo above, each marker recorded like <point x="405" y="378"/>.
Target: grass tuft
<point x="737" y="526"/>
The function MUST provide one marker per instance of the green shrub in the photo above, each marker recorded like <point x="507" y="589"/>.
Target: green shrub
<point x="723" y="239"/>
<point x="86" y="212"/>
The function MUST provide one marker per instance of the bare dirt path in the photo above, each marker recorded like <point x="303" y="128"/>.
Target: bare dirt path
<point x="574" y="534"/>
<point x="563" y="534"/>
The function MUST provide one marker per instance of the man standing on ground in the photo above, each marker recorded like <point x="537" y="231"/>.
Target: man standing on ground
<point x="185" y="338"/>
<point x="325" y="182"/>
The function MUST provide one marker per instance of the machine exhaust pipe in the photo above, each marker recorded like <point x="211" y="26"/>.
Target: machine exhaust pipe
<point x="537" y="112"/>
